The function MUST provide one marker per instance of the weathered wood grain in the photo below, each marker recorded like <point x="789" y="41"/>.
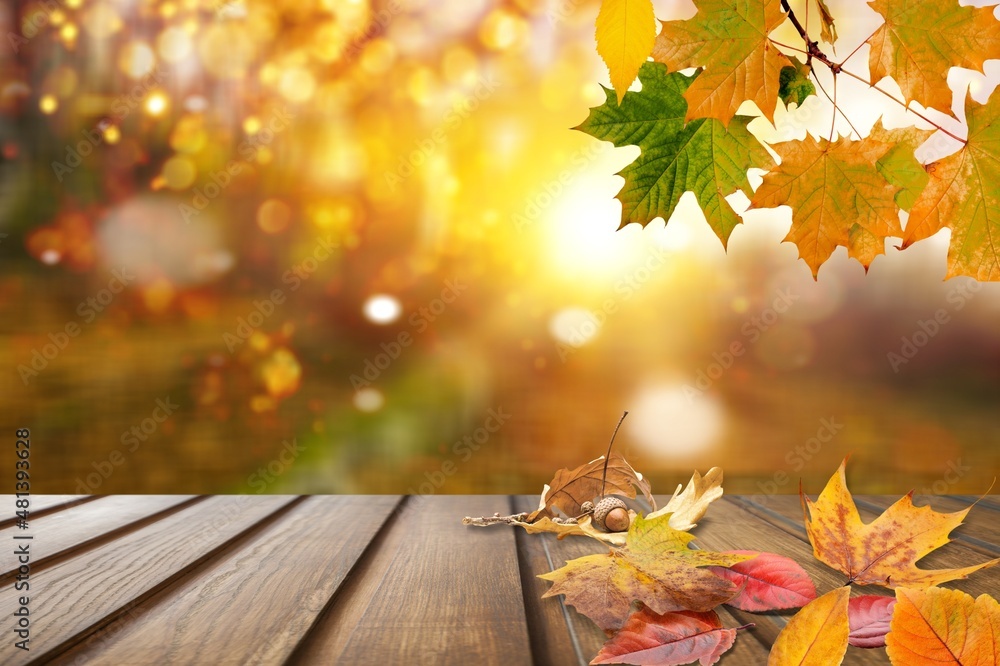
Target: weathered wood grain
<point x="254" y="604"/>
<point x="75" y="600"/>
<point x="80" y="525"/>
<point x="443" y="594"/>
<point x="40" y="505"/>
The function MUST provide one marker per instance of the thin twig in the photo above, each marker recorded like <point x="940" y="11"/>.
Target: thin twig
<point x="496" y="519"/>
<point x="607" y="456"/>
<point x="904" y="105"/>
<point x="836" y="108"/>
<point x="789" y="46"/>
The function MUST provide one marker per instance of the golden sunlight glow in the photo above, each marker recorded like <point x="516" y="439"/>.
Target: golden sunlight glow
<point x="581" y="226"/>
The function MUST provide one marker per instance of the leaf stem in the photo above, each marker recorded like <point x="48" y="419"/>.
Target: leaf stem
<point x="607" y="456"/>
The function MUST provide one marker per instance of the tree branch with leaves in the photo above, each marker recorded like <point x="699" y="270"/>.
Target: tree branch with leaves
<point x="843" y="191"/>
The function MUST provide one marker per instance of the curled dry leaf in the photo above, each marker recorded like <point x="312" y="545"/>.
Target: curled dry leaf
<point x="689" y="505"/>
<point x="571" y="488"/>
<point x="767" y="582"/>
<point x="940" y="627"/>
<point x="817" y="635"/>
<point x="869" y="616"/>
<point x="656" y="567"/>
<point x="668" y="640"/>
<point x="885" y="551"/>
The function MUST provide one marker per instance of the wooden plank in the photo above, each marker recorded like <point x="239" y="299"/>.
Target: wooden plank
<point x="58" y="534"/>
<point x="443" y="594"/>
<point x="554" y="627"/>
<point x="86" y="594"/>
<point x="255" y="603"/>
<point x="585" y="636"/>
<point x="40" y="505"/>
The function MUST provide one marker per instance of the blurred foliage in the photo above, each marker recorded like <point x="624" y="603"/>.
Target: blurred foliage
<point x="347" y="230"/>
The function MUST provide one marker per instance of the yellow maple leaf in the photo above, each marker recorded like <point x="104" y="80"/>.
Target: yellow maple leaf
<point x="626" y="30"/>
<point x="885" y="551"/>
<point x="730" y="40"/>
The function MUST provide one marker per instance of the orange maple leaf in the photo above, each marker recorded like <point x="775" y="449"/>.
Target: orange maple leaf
<point x="940" y="627"/>
<point x="730" y="40"/>
<point x="922" y="39"/>
<point x="837" y="196"/>
<point x="885" y="551"/>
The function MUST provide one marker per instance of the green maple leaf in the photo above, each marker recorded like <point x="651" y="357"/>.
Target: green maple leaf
<point x="794" y="83"/>
<point x="962" y="194"/>
<point x="702" y="156"/>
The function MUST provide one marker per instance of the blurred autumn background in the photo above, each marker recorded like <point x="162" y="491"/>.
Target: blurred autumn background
<point x="353" y="246"/>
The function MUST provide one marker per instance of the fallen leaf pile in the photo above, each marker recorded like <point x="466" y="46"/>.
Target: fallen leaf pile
<point x="923" y="625"/>
<point x="655" y="593"/>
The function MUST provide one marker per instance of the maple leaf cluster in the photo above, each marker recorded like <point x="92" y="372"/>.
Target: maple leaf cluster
<point x="849" y="192"/>
<point x="656" y="595"/>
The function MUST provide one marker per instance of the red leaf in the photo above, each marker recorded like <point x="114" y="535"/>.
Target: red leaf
<point x="767" y="582"/>
<point x="670" y="639"/>
<point x="869" y="617"/>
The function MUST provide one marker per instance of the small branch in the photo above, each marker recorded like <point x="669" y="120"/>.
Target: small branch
<point x="812" y="47"/>
<point x="495" y="519"/>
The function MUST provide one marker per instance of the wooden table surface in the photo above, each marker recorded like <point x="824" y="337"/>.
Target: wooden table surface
<point x="173" y="579"/>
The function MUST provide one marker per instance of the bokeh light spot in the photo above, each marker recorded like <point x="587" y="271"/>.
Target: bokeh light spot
<point x="671" y="421"/>
<point x="369" y="399"/>
<point x="382" y="309"/>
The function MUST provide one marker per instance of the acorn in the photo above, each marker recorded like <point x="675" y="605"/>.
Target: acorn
<point x="611" y="515"/>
